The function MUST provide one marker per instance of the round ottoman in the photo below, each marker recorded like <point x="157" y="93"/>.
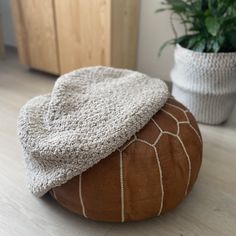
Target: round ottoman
<point x="148" y="176"/>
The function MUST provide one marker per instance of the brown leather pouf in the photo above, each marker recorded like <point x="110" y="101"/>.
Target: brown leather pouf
<point x="148" y="176"/>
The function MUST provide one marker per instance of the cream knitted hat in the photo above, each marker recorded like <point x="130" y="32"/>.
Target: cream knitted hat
<point x="89" y="114"/>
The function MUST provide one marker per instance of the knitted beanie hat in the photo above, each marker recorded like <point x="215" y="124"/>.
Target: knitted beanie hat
<point x="89" y="114"/>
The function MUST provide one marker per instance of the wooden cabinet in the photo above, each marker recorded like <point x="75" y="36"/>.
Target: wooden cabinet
<point x="58" y="36"/>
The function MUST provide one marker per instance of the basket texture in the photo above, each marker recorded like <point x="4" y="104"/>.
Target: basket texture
<point x="205" y="83"/>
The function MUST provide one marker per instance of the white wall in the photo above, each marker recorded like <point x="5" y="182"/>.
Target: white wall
<point x="154" y="30"/>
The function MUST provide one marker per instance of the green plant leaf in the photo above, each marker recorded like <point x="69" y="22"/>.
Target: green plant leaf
<point x="193" y="40"/>
<point x="162" y="9"/>
<point x="212" y="25"/>
<point x="224" y="6"/>
<point x="200" y="46"/>
<point x="178" y="6"/>
<point x="209" y="46"/>
<point x="213" y="5"/>
<point x="221" y="39"/>
<point x="216" y="46"/>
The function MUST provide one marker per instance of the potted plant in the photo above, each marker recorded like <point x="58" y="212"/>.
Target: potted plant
<point x="204" y="75"/>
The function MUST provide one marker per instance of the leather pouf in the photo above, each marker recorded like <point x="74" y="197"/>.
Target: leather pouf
<point x="148" y="176"/>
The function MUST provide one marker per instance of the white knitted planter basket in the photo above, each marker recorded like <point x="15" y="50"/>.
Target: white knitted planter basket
<point x="205" y="83"/>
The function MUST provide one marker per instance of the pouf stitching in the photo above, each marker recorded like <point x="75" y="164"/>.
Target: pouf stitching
<point x="157" y="158"/>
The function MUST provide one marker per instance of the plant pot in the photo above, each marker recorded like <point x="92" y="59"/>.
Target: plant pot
<point x="205" y="83"/>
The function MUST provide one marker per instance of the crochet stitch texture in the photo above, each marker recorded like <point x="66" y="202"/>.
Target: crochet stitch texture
<point x="205" y="83"/>
<point x="89" y="114"/>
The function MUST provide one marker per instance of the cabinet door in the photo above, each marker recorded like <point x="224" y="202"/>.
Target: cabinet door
<point x="83" y="32"/>
<point x="124" y="33"/>
<point x="34" y="20"/>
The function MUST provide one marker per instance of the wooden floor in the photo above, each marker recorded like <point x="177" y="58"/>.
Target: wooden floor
<point x="210" y="209"/>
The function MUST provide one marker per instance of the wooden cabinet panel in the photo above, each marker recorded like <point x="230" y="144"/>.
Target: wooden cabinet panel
<point x="20" y="31"/>
<point x="83" y="31"/>
<point x="34" y="20"/>
<point x="124" y="33"/>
